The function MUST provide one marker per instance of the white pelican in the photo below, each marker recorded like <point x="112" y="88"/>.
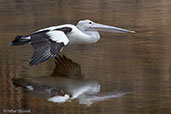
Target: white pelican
<point x="49" y="42"/>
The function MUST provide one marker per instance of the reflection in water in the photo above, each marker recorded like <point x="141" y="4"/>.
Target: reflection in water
<point x="88" y="100"/>
<point x="65" y="84"/>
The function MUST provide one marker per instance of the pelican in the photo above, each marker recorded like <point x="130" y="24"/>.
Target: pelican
<point x="48" y="42"/>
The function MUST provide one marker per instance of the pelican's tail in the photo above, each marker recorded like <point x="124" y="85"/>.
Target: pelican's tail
<point x="20" y="40"/>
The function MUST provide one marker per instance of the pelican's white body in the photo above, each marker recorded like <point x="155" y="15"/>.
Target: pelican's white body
<point x="75" y="36"/>
<point x="86" y="31"/>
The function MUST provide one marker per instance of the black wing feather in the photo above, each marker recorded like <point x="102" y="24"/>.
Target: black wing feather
<point x="65" y="29"/>
<point x="40" y="55"/>
<point x="44" y="53"/>
<point x="44" y="47"/>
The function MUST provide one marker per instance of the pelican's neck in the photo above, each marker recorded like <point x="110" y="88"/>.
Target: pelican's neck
<point x="82" y="37"/>
<point x="93" y="34"/>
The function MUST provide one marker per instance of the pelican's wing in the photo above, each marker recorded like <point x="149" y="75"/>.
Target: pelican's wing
<point x="47" y="44"/>
<point x="65" y="67"/>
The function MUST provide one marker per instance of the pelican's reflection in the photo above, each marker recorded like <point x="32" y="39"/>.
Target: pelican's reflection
<point x="65" y="84"/>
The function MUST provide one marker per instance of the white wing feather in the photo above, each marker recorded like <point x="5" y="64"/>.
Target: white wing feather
<point x="58" y="37"/>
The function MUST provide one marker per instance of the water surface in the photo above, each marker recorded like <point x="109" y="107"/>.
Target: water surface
<point x="141" y="62"/>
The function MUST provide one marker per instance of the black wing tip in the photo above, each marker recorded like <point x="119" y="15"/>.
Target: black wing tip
<point x="16" y="41"/>
<point x="18" y="37"/>
<point x="37" y="60"/>
<point x="32" y="63"/>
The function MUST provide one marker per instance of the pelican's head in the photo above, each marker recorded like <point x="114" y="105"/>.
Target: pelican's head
<point x="88" y="25"/>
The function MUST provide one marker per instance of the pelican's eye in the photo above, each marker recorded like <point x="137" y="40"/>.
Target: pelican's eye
<point x="90" y="23"/>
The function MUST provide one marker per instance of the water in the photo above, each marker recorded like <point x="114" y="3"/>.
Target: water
<point x="66" y="84"/>
<point x="140" y="62"/>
